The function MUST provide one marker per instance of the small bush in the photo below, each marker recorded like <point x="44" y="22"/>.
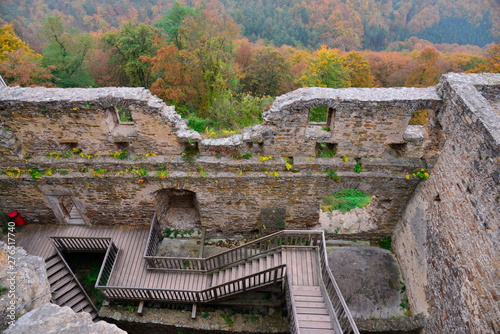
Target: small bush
<point x="345" y="200"/>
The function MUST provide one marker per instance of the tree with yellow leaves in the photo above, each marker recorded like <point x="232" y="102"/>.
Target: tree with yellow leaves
<point x="19" y="65"/>
<point x="325" y="69"/>
<point x="9" y="42"/>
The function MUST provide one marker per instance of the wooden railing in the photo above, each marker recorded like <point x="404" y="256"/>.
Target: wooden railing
<point x="154" y="238"/>
<point x="259" y="247"/>
<point x="108" y="265"/>
<point x="73" y="277"/>
<point x="264" y="278"/>
<point x="81" y="244"/>
<point x="291" y="306"/>
<point x="335" y="302"/>
<point x="272" y="243"/>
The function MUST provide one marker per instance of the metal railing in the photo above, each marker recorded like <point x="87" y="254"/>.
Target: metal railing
<point x="267" y="277"/>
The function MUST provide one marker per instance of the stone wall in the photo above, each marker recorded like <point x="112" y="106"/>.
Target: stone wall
<point x="46" y="120"/>
<point x="231" y="194"/>
<point x="447" y="241"/>
<point x="362" y="121"/>
<point x="41" y="127"/>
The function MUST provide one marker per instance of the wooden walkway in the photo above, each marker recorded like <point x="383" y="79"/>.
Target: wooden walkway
<point x="130" y="269"/>
<point x="311" y="302"/>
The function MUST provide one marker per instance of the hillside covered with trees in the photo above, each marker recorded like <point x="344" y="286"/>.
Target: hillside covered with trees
<point x="343" y="24"/>
<point x="221" y="62"/>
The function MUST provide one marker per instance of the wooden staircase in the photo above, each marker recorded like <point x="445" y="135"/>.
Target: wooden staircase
<point x="312" y="314"/>
<point x="65" y="288"/>
<point x="245" y="269"/>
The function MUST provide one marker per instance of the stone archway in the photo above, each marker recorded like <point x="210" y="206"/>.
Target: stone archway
<point x="177" y="209"/>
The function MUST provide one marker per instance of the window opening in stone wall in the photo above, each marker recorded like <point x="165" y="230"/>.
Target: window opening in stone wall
<point x="398" y="149"/>
<point x="255" y="147"/>
<point x="68" y="211"/>
<point x="419" y="117"/>
<point x="122" y="145"/>
<point x="326" y="150"/>
<point x="322" y="116"/>
<point x="69" y="145"/>
<point x="190" y="152"/>
<point x="124" y="115"/>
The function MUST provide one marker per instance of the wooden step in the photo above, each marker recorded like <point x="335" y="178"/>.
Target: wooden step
<point x="315" y="325"/>
<point x="55" y="268"/>
<point x="311" y="310"/>
<point x="316" y="331"/>
<point x="61" y="282"/>
<point x="56" y="294"/>
<point x="57" y="276"/>
<point x="67" y="297"/>
<point x="313" y="317"/>
<point x="313" y="299"/>
<point x="311" y="304"/>
<point x="52" y="260"/>
<point x="81" y="305"/>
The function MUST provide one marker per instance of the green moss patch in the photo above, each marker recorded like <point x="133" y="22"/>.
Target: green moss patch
<point x="345" y="200"/>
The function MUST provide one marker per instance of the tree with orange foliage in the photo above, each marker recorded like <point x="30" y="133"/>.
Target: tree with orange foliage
<point x="493" y="56"/>
<point x="178" y="79"/>
<point x="425" y="70"/>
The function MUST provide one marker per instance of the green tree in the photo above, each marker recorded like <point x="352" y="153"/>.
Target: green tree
<point x="325" y="69"/>
<point x="266" y="73"/>
<point x="66" y="54"/>
<point x="171" y="22"/>
<point x="127" y="46"/>
<point x="210" y="40"/>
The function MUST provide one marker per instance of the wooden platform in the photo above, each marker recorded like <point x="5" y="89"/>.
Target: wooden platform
<point x="302" y="265"/>
<point x="130" y="269"/>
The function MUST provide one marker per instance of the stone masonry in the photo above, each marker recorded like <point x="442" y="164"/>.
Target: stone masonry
<point x="60" y="151"/>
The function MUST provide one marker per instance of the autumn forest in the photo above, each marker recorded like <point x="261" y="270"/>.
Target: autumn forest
<point x="221" y="62"/>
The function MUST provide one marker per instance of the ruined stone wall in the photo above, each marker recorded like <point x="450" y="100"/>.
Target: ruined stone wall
<point x="362" y="122"/>
<point x="56" y="120"/>
<point x="448" y="239"/>
<point x="233" y="195"/>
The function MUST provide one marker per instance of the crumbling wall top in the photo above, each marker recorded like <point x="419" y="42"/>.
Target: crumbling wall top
<point x="467" y="88"/>
<point x="313" y="96"/>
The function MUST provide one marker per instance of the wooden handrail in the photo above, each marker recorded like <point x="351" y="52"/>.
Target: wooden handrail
<point x="336" y="300"/>
<point x="74" y="278"/>
<point x="272" y="242"/>
<point x="108" y="265"/>
<point x="243" y="284"/>
<point x="81" y="244"/>
<point x="291" y="307"/>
